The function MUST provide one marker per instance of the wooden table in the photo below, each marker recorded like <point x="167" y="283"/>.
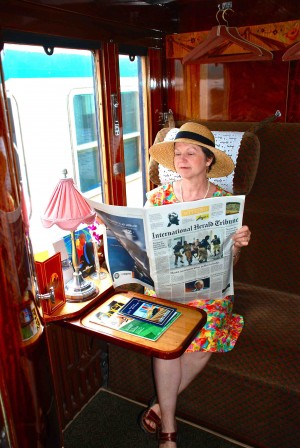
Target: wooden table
<point x="171" y="344"/>
<point x="76" y="345"/>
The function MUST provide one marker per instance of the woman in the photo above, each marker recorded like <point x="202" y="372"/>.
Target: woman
<point x="194" y="157"/>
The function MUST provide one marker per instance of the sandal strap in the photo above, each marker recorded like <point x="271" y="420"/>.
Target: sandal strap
<point x="168" y="436"/>
<point x="151" y="415"/>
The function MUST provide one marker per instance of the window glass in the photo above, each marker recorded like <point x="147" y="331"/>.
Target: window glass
<point x="130" y="109"/>
<point x="83" y="125"/>
<point x="88" y="163"/>
<point x="131" y="149"/>
<point x="53" y="115"/>
<point x="132" y="99"/>
<point x="85" y="118"/>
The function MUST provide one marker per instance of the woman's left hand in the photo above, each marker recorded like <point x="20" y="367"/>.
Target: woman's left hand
<point x="241" y="238"/>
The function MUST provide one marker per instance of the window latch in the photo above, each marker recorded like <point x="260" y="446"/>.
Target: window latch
<point x="115" y="106"/>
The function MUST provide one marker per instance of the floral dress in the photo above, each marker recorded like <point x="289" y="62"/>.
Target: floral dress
<point x="222" y="328"/>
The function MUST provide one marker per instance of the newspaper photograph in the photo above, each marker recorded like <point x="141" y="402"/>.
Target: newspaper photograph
<point x="125" y="244"/>
<point x="182" y="251"/>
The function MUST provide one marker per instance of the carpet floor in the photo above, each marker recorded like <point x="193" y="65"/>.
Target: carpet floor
<point x="110" y="421"/>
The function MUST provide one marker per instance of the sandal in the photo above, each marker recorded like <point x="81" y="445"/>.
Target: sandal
<point x="149" y="414"/>
<point x="167" y="437"/>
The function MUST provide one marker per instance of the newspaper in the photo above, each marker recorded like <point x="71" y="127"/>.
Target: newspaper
<point x="182" y="251"/>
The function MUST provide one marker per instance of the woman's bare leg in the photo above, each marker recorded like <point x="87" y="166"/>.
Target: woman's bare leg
<point x="171" y="378"/>
<point x="167" y="374"/>
<point x="191" y="365"/>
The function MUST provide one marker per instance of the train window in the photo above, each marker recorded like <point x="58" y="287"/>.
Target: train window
<point x="53" y="114"/>
<point x="132" y="99"/>
<point x="83" y="125"/>
<point x="55" y="123"/>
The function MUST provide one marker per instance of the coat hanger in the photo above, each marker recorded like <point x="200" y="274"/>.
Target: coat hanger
<point x="292" y="53"/>
<point x="215" y="47"/>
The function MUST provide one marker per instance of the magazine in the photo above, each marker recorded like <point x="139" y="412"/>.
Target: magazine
<point x="108" y="314"/>
<point x="146" y="311"/>
<point x="182" y="251"/>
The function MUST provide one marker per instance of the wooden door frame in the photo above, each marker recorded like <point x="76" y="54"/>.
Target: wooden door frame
<point x="112" y="148"/>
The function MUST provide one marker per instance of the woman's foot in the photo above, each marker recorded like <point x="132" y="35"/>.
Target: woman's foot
<point x="150" y="418"/>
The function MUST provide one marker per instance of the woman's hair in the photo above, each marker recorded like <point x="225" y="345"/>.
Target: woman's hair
<point x="210" y="155"/>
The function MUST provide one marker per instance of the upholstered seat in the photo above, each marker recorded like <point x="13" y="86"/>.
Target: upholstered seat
<point x="252" y="393"/>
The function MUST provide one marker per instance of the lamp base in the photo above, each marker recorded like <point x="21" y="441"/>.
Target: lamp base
<point x="79" y="290"/>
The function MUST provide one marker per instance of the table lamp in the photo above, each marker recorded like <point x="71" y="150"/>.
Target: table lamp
<point x="67" y="209"/>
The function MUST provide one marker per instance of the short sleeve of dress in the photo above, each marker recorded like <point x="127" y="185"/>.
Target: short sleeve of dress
<point x="153" y="197"/>
<point x="162" y="195"/>
<point x="220" y="192"/>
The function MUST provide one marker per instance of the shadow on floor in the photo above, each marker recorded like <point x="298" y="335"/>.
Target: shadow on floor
<point x="110" y="421"/>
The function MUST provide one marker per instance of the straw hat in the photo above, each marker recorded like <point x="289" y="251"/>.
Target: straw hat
<point x="196" y="134"/>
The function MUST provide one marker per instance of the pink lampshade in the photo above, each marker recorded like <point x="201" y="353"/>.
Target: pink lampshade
<point x="67" y="207"/>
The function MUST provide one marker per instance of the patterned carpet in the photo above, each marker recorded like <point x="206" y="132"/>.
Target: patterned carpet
<point x="110" y="421"/>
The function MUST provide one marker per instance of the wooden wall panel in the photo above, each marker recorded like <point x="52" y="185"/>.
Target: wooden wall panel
<point x="198" y="91"/>
<point x="157" y="93"/>
<point x="271" y="36"/>
<point x="192" y="93"/>
<point x="257" y="89"/>
<point x="236" y="91"/>
<point x="176" y="88"/>
<point x="76" y="369"/>
<point x="198" y="15"/>
<point x="293" y="100"/>
<point x="85" y="22"/>
<point x="27" y="404"/>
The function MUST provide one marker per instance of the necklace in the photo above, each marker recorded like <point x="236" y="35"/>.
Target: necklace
<point x="181" y="194"/>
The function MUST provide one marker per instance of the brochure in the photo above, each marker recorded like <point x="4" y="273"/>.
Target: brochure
<point x="108" y="315"/>
<point x="146" y="311"/>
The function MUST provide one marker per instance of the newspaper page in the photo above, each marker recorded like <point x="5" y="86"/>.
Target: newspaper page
<point x="190" y="247"/>
<point x="183" y="250"/>
<point x="125" y="244"/>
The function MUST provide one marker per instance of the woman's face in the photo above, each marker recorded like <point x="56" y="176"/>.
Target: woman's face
<point x="190" y="160"/>
<point x="199" y="285"/>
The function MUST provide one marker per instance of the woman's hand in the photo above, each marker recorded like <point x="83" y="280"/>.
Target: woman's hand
<point x="240" y="239"/>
